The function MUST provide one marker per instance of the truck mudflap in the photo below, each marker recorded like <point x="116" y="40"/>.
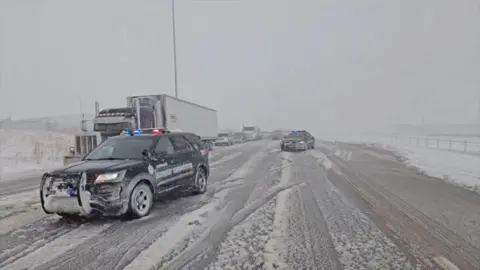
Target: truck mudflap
<point x="84" y="202"/>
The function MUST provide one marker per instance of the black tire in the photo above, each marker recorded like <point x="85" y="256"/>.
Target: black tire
<point x="199" y="185"/>
<point x="73" y="217"/>
<point x="140" y="209"/>
<point x="42" y="202"/>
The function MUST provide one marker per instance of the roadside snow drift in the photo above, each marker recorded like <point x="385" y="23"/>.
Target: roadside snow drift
<point x="25" y="150"/>
<point x="459" y="169"/>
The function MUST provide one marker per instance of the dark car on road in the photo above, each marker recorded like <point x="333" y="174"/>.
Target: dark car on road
<point x="297" y="140"/>
<point x="123" y="174"/>
<point x="239" y="137"/>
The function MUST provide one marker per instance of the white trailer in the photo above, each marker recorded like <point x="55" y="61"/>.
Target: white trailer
<point x="191" y="117"/>
<point x="177" y="115"/>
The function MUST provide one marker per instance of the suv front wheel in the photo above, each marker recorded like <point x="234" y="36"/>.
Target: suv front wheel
<point x="141" y="201"/>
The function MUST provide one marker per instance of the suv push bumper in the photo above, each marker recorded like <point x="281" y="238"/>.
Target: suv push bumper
<point x="105" y="199"/>
<point x="294" y="146"/>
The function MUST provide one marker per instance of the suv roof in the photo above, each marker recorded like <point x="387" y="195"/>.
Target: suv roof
<point x="149" y="135"/>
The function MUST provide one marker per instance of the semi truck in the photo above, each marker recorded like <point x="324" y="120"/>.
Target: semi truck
<point x="148" y="111"/>
<point x="252" y="133"/>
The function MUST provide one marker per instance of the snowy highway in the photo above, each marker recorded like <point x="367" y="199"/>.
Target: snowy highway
<point x="339" y="206"/>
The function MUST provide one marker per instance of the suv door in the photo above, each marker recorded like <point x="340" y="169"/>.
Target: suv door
<point x="184" y="158"/>
<point x="310" y="140"/>
<point x="164" y="165"/>
<point x="199" y="146"/>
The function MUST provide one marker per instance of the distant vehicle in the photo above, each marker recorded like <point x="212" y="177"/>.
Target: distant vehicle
<point x="239" y="137"/>
<point x="224" y="139"/>
<point x="122" y="175"/>
<point x="223" y="134"/>
<point x="252" y="133"/>
<point x="298" y="140"/>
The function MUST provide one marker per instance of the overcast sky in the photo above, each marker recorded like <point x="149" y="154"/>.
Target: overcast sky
<point x="297" y="63"/>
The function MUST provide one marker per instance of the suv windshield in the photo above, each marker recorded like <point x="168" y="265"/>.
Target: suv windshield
<point x="223" y="135"/>
<point x="295" y="135"/>
<point x="126" y="148"/>
<point x="249" y="128"/>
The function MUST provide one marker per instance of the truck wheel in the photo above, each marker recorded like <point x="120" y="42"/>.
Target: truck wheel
<point x="141" y="201"/>
<point x="200" y="182"/>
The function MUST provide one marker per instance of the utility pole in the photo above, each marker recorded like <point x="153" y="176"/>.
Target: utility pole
<point x="174" y="50"/>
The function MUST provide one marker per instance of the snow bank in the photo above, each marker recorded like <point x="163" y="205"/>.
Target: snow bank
<point x="456" y="168"/>
<point x="27" y="150"/>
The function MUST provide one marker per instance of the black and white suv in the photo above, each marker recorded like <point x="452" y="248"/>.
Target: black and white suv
<point x="122" y="175"/>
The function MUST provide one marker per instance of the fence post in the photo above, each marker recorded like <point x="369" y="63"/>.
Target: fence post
<point x="438" y="143"/>
<point x="409" y="140"/>
<point x="450" y="145"/>
<point x="418" y="140"/>
<point x="465" y="146"/>
<point x="426" y="142"/>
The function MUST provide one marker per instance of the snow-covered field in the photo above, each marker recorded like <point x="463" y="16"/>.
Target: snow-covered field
<point x="459" y="169"/>
<point x="445" y="159"/>
<point x="469" y="145"/>
<point x="24" y="151"/>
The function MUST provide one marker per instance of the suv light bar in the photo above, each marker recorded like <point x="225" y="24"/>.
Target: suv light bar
<point x="133" y="132"/>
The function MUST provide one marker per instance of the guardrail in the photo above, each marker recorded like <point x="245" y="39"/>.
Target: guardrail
<point x="464" y="146"/>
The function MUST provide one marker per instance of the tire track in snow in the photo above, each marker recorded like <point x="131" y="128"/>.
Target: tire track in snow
<point x="275" y="251"/>
<point x="182" y="244"/>
<point x="358" y="241"/>
<point x="203" y="252"/>
<point x="22" y="241"/>
<point x="225" y="159"/>
<point x="117" y="246"/>
<point x="47" y="251"/>
<point x="18" y="210"/>
<point x="307" y="238"/>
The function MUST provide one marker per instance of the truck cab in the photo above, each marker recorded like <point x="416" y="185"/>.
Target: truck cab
<point x="252" y="133"/>
<point x="111" y="122"/>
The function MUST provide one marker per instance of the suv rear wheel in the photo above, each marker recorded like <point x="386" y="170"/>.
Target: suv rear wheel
<point x="200" y="182"/>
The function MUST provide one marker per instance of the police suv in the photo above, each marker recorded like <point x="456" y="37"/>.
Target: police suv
<point x="298" y="140"/>
<point x="122" y="175"/>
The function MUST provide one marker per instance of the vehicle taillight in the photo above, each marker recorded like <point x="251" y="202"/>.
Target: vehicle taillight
<point x="156" y="131"/>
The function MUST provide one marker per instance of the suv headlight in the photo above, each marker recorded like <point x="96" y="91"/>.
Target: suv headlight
<point x="301" y="142"/>
<point x="113" y="177"/>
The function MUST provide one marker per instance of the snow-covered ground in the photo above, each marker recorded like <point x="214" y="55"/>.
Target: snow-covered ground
<point x="457" y="168"/>
<point x="25" y="151"/>
<point x="445" y="159"/>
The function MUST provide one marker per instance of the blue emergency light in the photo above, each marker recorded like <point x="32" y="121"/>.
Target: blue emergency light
<point x="136" y="132"/>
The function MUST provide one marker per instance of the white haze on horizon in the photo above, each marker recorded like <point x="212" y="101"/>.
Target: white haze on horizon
<point x="321" y="65"/>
